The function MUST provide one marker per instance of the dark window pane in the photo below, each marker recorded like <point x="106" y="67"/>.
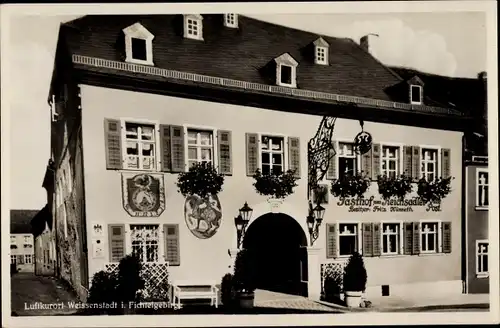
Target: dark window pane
<point x="485" y="263"/>
<point x="393" y="239"/>
<point x="277" y="159"/>
<point x="265" y="158"/>
<point x="347" y="167"/>
<point x="277" y="169"/>
<point x="415" y="94"/>
<point x="286" y="74"/>
<point x="266" y="169"/>
<point x="139" y="49"/>
<point x="347" y="245"/>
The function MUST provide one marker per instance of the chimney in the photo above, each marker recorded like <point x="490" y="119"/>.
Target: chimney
<point x="365" y="43"/>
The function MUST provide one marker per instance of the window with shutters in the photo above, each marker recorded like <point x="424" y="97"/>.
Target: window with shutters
<point x="231" y="20"/>
<point x="140" y="143"/>
<point x="482" y="200"/>
<point x="13" y="259"/>
<point x="349" y="239"/>
<point x="200" y="147"/>
<point x="429" y="237"/>
<point x="272" y="152"/>
<point x="348" y="160"/>
<point x="392" y="234"/>
<point x="28" y="259"/>
<point x="390" y="159"/>
<point x="482" y="267"/>
<point x="193" y="27"/>
<point x="429" y="163"/>
<point x="138" y="44"/>
<point x="145" y="241"/>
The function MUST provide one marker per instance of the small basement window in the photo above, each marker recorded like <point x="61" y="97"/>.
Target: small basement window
<point x="139" y="50"/>
<point x="416" y="94"/>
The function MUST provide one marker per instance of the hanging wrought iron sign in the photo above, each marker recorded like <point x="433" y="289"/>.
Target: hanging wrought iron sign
<point x="320" y="151"/>
<point x="143" y="194"/>
<point x="362" y="141"/>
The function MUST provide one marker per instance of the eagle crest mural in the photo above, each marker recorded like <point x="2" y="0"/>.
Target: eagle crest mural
<point x="143" y="195"/>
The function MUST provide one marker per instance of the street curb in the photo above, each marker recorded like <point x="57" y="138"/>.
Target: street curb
<point x="436" y="307"/>
<point x="451" y="307"/>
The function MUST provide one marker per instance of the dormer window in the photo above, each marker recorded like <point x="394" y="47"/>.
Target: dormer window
<point x="138" y="45"/>
<point x="231" y="20"/>
<point x="286" y="71"/>
<point x="416" y="91"/>
<point x="321" y="52"/>
<point x="193" y="27"/>
<point x="416" y="94"/>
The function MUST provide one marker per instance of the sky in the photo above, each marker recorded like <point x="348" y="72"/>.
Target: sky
<point x="452" y="44"/>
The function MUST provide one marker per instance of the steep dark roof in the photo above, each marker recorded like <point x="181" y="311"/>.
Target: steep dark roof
<point x="39" y="220"/>
<point x="240" y="54"/>
<point x="464" y="94"/>
<point x="20" y="220"/>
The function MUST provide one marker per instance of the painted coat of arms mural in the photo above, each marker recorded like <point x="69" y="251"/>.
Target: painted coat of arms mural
<point x="203" y="215"/>
<point x="143" y="194"/>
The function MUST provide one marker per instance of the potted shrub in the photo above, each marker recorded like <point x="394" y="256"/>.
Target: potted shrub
<point x="275" y="185"/>
<point x="244" y="279"/>
<point x="351" y="186"/>
<point x="354" y="281"/>
<point x="397" y="187"/>
<point x="227" y="292"/>
<point x="432" y="192"/>
<point x="202" y="180"/>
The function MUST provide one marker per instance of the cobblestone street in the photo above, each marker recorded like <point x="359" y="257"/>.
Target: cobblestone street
<point x="268" y="299"/>
<point x="27" y="289"/>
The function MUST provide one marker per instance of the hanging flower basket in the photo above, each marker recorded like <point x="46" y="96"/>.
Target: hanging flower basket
<point x="276" y="185"/>
<point x="351" y="186"/>
<point x="397" y="187"/>
<point x="202" y="180"/>
<point x="432" y="192"/>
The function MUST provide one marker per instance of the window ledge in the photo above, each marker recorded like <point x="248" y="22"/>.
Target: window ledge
<point x="433" y="254"/>
<point x="481" y="208"/>
<point x="482" y="275"/>
<point x="138" y="61"/>
<point x="383" y="256"/>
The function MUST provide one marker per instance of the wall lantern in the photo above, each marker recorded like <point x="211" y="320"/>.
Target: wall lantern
<point x="241" y="221"/>
<point x="314" y="220"/>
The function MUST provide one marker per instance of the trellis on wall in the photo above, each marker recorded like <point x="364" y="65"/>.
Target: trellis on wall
<point x="332" y="269"/>
<point x="155" y="275"/>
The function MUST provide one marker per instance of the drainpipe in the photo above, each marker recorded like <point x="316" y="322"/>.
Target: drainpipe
<point x="464" y="219"/>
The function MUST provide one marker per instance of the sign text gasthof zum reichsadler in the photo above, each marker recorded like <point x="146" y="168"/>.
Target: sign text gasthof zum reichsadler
<point x="379" y="205"/>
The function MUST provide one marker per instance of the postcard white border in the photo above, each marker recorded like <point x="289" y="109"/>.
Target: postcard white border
<point x="489" y="7"/>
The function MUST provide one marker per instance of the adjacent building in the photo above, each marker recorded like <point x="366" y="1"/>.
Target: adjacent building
<point x="136" y="99"/>
<point x="469" y="95"/>
<point x="21" y="240"/>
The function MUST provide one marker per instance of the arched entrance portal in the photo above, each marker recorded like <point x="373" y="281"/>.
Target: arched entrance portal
<point x="279" y="243"/>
